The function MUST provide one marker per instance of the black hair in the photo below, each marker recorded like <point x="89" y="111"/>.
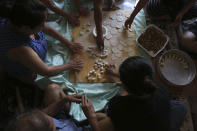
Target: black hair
<point x="32" y="121"/>
<point x="23" y="12"/>
<point x="136" y="74"/>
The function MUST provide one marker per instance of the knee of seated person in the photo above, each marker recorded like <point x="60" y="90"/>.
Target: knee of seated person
<point x="187" y="37"/>
<point x="52" y="87"/>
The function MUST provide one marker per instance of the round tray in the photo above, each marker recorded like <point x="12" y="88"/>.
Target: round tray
<point x="176" y="68"/>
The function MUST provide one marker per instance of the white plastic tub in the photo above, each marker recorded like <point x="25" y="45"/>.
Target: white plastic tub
<point x="151" y="53"/>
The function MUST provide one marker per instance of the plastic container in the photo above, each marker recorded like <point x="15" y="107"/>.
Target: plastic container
<point x="151" y="53"/>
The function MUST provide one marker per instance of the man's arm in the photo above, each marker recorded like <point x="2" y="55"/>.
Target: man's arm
<point x="138" y="7"/>
<point x="183" y="12"/>
<point x="75" y="47"/>
<point x="53" y="33"/>
<point x="73" y="20"/>
<point x="54" y="8"/>
<point x="31" y="60"/>
<point x="98" y="22"/>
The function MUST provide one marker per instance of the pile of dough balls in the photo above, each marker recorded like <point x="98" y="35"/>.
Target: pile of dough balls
<point x="99" y="69"/>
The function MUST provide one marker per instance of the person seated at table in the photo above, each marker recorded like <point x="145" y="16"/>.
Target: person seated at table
<point x="23" y="46"/>
<point x="55" y="115"/>
<point x="146" y="106"/>
<point x="176" y="9"/>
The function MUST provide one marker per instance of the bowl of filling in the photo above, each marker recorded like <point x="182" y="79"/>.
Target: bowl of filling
<point x="152" y="40"/>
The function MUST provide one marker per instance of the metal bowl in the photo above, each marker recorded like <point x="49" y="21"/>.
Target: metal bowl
<point x="176" y="68"/>
<point x="104" y="28"/>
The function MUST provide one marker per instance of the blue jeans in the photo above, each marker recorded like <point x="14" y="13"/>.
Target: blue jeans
<point x="178" y="112"/>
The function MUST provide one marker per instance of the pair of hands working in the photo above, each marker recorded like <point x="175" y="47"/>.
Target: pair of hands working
<point x="86" y="104"/>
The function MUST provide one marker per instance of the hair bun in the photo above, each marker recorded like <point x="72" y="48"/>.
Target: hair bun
<point x="149" y="85"/>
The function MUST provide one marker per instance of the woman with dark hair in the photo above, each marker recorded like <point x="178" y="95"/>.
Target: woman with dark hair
<point x="147" y="105"/>
<point x="23" y="46"/>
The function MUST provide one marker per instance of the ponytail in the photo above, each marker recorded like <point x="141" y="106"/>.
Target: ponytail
<point x="149" y="85"/>
<point x="146" y="90"/>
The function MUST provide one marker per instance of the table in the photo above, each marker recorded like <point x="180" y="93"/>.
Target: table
<point x="120" y="43"/>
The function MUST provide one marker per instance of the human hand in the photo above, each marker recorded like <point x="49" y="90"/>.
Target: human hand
<point x="75" y="47"/>
<point x="177" y="20"/>
<point x="128" y="23"/>
<point x="84" y="11"/>
<point x="74" y="98"/>
<point x="100" y="42"/>
<point x="87" y="107"/>
<point x="75" y="65"/>
<point x="73" y="20"/>
<point x="110" y="70"/>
